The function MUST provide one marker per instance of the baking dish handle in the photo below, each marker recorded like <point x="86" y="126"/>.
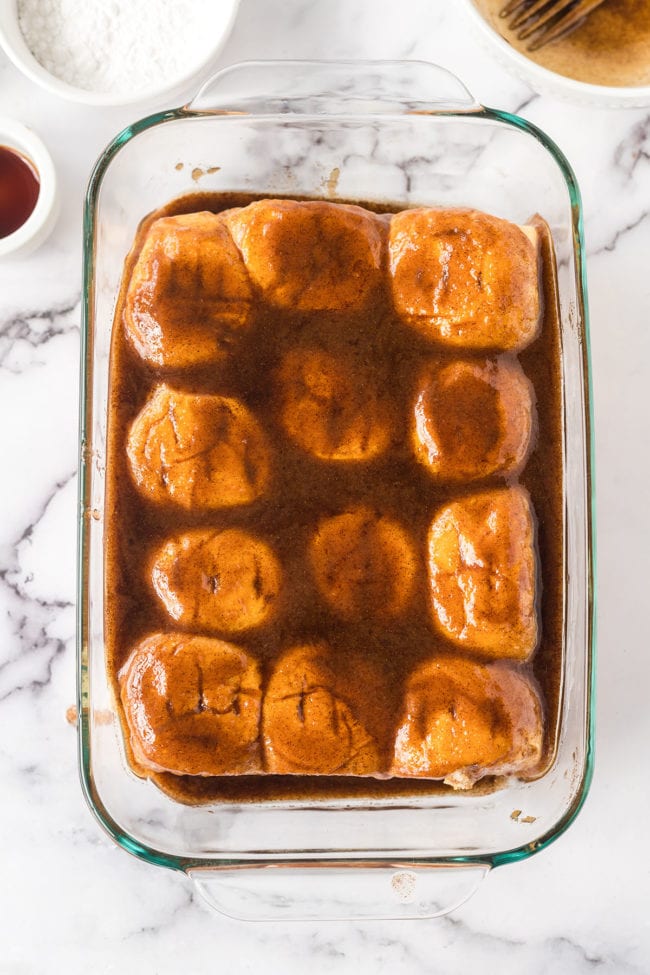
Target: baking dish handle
<point x="346" y="87"/>
<point x="332" y="890"/>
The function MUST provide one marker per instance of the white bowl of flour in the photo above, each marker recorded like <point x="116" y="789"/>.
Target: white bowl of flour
<point x="114" y="52"/>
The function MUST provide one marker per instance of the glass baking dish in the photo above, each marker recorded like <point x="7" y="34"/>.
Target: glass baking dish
<point x="406" y="133"/>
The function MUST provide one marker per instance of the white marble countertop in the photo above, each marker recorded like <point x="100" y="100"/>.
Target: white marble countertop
<point x="69" y="899"/>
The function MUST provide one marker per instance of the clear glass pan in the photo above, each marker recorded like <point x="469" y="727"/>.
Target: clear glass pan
<point x="406" y="133"/>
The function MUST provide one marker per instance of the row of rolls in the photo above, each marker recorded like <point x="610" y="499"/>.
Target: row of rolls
<point x="468" y="420"/>
<point x="195" y="705"/>
<point x="480" y="563"/>
<point x="463" y="279"/>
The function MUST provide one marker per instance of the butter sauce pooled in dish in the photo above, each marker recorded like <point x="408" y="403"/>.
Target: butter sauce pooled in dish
<point x="333" y="548"/>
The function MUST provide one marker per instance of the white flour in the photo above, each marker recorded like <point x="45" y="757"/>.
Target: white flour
<point x="116" y="46"/>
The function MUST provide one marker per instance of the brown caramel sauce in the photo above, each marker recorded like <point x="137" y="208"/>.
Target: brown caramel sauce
<point x="304" y="489"/>
<point x="611" y="47"/>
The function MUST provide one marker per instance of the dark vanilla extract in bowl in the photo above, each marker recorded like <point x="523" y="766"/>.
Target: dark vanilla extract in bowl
<point x="19" y="190"/>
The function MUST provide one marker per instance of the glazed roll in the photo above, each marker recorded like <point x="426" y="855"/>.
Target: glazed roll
<point x="364" y="564"/>
<point x="331" y="408"/>
<point x="190" y="298"/>
<point x="465" y="279"/>
<point x="197" y="451"/>
<point x="317" y="719"/>
<point x="473" y="418"/>
<point x="482" y="573"/>
<point x="311" y="256"/>
<point x="223" y="580"/>
<point x="192" y="705"/>
<point x="462" y="720"/>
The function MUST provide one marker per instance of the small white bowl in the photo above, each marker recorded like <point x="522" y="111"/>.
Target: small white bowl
<point x="549" y="82"/>
<point x="16" y="49"/>
<point x="41" y="220"/>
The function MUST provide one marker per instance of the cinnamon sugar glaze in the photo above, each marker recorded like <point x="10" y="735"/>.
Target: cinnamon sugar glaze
<point x="611" y="47"/>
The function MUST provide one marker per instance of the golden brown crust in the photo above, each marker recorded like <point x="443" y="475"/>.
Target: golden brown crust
<point x="189" y="297"/>
<point x="330" y="408"/>
<point x="311" y="256"/>
<point x="197" y="451"/>
<point x="364" y="564"/>
<point x="464" y="278"/>
<point x="473" y="418"/>
<point x="482" y="573"/>
<point x="463" y="720"/>
<point x="223" y="580"/>
<point x="313" y="719"/>
<point x="192" y="705"/>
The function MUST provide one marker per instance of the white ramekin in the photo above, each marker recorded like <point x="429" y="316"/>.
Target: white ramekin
<point x="549" y="82"/>
<point x="16" y="49"/>
<point x="43" y="217"/>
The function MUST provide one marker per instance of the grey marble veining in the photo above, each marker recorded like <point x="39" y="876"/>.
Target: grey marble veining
<point x="71" y="901"/>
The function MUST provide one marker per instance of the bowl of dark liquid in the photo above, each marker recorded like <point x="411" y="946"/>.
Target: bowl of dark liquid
<point x="28" y="192"/>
